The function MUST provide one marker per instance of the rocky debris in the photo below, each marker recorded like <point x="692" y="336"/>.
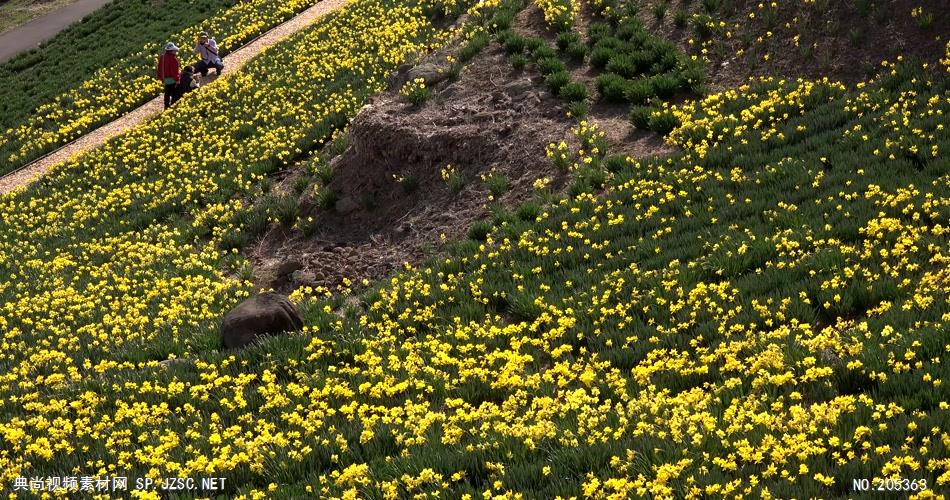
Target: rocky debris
<point x="266" y="314"/>
<point x="289" y="266"/>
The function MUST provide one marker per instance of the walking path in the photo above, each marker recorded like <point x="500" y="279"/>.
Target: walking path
<point x="37" y="31"/>
<point x="99" y="136"/>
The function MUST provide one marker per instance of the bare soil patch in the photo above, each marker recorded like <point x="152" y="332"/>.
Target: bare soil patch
<point x="491" y="117"/>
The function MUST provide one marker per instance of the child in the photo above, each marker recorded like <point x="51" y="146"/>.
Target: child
<point x="189" y="81"/>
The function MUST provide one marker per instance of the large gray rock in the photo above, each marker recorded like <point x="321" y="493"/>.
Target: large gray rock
<point x="266" y="314"/>
<point x="431" y="73"/>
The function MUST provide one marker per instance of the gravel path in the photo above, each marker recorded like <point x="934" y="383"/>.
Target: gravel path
<point x="37" y="31"/>
<point x="99" y="136"/>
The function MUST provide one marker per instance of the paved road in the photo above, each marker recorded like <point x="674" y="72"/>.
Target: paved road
<point x="43" y="28"/>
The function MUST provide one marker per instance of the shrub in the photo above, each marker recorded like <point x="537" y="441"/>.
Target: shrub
<point x="640" y="116"/>
<point x="659" y="10"/>
<point x="573" y="92"/>
<point x="415" y="91"/>
<point x="623" y="65"/>
<point x="409" y="183"/>
<point x="307" y="226"/>
<point x="576" y="51"/>
<point x="301" y="183"/>
<point x="453" y="179"/>
<point x="600" y="56"/>
<point x="615" y="163"/>
<point x="543" y="52"/>
<point x="514" y="44"/>
<point x="529" y="211"/>
<point x="598" y="31"/>
<point x="473" y="47"/>
<point x="556" y="80"/>
<point x="497" y="184"/>
<point x="638" y="91"/>
<point x="531" y="43"/>
<point x="611" y="87"/>
<point x="564" y="40"/>
<point x="519" y="61"/>
<point x="680" y="19"/>
<point x="551" y="65"/>
<point x="285" y="209"/>
<point x="665" y="85"/>
<point x="479" y="230"/>
<point x="235" y="239"/>
<point x="577" y="109"/>
<point x="663" y="122"/>
<point x="325" y="198"/>
<point x="560" y="155"/>
<point x="630" y="29"/>
<point x="325" y="173"/>
<point x="703" y="26"/>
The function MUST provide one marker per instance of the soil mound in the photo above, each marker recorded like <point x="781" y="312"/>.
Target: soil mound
<point x="393" y="205"/>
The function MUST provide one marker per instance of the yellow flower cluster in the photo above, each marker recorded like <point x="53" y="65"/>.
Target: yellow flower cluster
<point x="559" y="14"/>
<point x="946" y="61"/>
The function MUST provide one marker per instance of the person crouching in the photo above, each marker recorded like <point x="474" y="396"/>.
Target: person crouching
<point x="207" y="49"/>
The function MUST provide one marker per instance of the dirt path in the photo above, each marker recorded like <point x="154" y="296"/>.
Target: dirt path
<point x="43" y="28"/>
<point x="99" y="136"/>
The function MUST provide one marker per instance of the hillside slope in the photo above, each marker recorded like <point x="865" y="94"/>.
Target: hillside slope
<point x="534" y="255"/>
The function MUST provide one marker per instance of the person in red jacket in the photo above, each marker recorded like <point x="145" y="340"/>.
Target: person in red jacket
<point x="168" y="72"/>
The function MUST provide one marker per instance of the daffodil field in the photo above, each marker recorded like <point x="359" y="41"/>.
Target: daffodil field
<point x="762" y="312"/>
<point x="53" y="96"/>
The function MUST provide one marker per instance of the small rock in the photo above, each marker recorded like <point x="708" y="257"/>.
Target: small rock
<point x="517" y="88"/>
<point x="177" y="361"/>
<point x="266" y="314"/>
<point x="302" y="277"/>
<point x="346" y="205"/>
<point x="288" y="266"/>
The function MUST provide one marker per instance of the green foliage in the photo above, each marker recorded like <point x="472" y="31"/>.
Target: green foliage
<point x="497" y="184"/>
<point x="551" y="65"/>
<point x="576" y="51"/>
<point x="640" y="116"/>
<point x="473" y="46"/>
<point x="555" y="81"/>
<point x="543" y="52"/>
<point x="564" y="40"/>
<point x="301" y="183"/>
<point x="573" y="92"/>
<point x="680" y="19"/>
<point x="479" y="230"/>
<point x="514" y="44"/>
<point x="415" y="91"/>
<point x="611" y="87"/>
<point x="518" y="61"/>
<point x="577" y="109"/>
<point x="409" y="183"/>
<point x="325" y="197"/>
